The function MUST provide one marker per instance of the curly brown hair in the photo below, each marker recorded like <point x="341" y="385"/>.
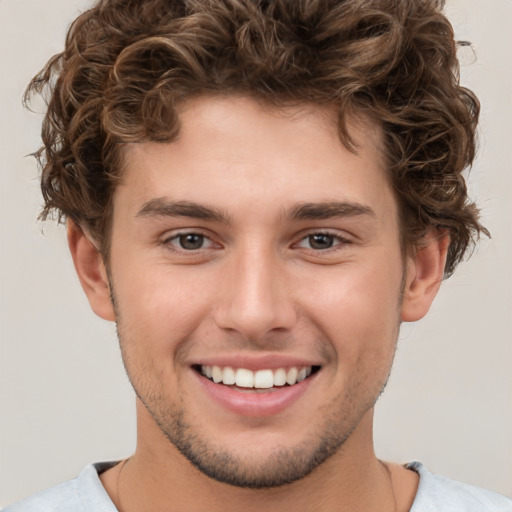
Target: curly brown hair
<point x="128" y="63"/>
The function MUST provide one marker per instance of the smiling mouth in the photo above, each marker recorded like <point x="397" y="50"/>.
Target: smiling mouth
<point x="260" y="380"/>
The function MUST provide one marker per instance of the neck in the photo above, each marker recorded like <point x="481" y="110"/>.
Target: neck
<point x="352" y="479"/>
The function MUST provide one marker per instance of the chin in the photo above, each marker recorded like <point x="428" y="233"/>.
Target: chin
<point x="277" y="467"/>
<point x="238" y="460"/>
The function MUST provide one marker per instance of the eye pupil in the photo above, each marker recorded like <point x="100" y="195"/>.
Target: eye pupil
<point x="191" y="241"/>
<point x="320" y="241"/>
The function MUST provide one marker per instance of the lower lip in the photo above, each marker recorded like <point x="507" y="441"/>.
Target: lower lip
<point x="254" y="404"/>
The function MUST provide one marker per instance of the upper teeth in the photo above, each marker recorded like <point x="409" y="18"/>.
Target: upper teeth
<point x="260" y="379"/>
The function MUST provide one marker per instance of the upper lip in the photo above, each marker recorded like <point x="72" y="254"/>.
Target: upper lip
<point x="271" y="361"/>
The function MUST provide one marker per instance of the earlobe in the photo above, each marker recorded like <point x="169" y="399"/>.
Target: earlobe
<point x="424" y="274"/>
<point x="91" y="271"/>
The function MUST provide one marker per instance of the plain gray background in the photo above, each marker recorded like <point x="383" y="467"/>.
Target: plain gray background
<point x="64" y="398"/>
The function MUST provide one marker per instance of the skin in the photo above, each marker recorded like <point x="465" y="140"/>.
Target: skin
<point x="258" y="286"/>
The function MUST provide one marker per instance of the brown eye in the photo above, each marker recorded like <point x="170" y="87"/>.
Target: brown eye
<point x="321" y="241"/>
<point x="191" y="245"/>
<point x="191" y="241"/>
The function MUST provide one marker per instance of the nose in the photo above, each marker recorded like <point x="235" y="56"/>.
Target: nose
<point x="255" y="299"/>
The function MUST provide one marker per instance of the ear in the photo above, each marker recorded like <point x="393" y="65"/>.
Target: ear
<point x="425" y="270"/>
<point x="91" y="271"/>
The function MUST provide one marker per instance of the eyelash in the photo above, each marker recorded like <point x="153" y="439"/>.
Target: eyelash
<point x="176" y="237"/>
<point x="337" y="241"/>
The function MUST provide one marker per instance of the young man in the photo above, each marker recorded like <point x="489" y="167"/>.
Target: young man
<point x="258" y="194"/>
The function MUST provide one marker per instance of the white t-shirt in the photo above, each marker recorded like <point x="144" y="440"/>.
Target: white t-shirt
<point x="435" y="494"/>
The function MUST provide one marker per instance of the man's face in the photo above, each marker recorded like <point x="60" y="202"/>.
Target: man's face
<point x="258" y="242"/>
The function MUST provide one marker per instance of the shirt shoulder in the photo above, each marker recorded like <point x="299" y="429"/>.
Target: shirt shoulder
<point x="82" y="494"/>
<point x="440" y="494"/>
<point x="56" y="499"/>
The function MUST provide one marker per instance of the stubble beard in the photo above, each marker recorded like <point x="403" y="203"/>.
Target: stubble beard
<point x="285" y="465"/>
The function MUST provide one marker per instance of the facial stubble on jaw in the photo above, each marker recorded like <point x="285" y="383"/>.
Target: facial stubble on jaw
<point x="286" y="464"/>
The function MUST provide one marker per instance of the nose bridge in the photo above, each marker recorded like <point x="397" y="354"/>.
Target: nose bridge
<point x="255" y="300"/>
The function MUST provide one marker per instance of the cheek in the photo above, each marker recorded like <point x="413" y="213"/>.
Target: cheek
<point x="158" y="308"/>
<point x="357" y="309"/>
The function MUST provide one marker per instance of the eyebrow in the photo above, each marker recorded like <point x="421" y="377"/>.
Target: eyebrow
<point x="328" y="210"/>
<point x="162" y="207"/>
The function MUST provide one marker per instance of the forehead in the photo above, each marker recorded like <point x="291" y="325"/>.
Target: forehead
<point x="231" y="150"/>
